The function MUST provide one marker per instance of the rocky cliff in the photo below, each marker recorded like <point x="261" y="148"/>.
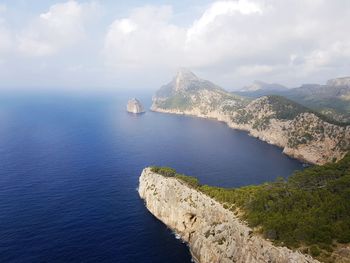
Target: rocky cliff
<point x="213" y="233"/>
<point x="301" y="132"/>
<point x="330" y="99"/>
<point x="134" y="106"/>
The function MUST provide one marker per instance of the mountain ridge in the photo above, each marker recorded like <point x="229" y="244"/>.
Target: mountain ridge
<point x="331" y="99"/>
<point x="258" y="85"/>
<point x="301" y="132"/>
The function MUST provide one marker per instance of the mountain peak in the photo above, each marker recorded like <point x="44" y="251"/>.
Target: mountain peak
<point x="183" y="78"/>
<point x="185" y="74"/>
<point x="185" y="71"/>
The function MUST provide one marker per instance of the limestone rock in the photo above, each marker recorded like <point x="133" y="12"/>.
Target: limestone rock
<point x="298" y="130"/>
<point x="134" y="106"/>
<point x="213" y="233"/>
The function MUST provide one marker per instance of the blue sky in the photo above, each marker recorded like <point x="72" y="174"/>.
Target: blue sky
<point x="140" y="44"/>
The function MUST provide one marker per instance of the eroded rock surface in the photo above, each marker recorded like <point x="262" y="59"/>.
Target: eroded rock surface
<point x="213" y="233"/>
<point x="134" y="106"/>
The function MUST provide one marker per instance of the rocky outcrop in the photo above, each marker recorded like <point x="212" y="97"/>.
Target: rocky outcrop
<point x="134" y="106"/>
<point x="299" y="131"/>
<point x="213" y="233"/>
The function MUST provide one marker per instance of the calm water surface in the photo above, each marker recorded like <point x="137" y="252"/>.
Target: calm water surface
<point x="69" y="168"/>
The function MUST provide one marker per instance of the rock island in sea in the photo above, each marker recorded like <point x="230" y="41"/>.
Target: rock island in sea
<point x="134" y="106"/>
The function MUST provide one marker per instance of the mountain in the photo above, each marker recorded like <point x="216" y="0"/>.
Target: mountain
<point x="186" y="90"/>
<point x="184" y="81"/>
<point x="339" y="82"/>
<point x="335" y="88"/>
<point x="260" y="86"/>
<point x="301" y="132"/>
<point x="331" y="99"/>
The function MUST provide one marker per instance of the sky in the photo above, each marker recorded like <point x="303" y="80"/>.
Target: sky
<point x="140" y="44"/>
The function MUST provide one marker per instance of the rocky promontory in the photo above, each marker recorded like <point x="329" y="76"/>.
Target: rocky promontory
<point x="213" y="233"/>
<point x="301" y="132"/>
<point x="134" y="106"/>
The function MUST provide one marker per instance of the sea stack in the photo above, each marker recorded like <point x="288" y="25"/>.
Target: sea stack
<point x="135" y="106"/>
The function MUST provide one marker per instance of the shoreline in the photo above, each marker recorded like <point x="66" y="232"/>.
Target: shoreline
<point x="299" y="158"/>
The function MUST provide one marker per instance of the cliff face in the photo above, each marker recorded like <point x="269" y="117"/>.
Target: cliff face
<point x="276" y="120"/>
<point x="213" y="233"/>
<point x="134" y="106"/>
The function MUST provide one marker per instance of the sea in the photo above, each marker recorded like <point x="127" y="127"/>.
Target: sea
<point x="70" y="166"/>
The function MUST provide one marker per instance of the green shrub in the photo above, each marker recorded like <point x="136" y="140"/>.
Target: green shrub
<point x="191" y="181"/>
<point x="288" y="109"/>
<point x="311" y="207"/>
<point x="165" y="171"/>
<point x="314" y="251"/>
<point x="177" y="101"/>
<point x="170" y="172"/>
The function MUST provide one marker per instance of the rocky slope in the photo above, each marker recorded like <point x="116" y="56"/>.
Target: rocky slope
<point x="331" y="99"/>
<point x="299" y="131"/>
<point x="213" y="233"/>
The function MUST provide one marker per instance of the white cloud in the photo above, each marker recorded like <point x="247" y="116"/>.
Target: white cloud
<point x="5" y="33"/>
<point x="246" y="38"/>
<point x="5" y="39"/>
<point x="254" y="70"/>
<point x="126" y="26"/>
<point x="148" y="37"/>
<point x="145" y="38"/>
<point x="62" y="26"/>
<point x="3" y="8"/>
<point x="231" y="42"/>
<point x="221" y="8"/>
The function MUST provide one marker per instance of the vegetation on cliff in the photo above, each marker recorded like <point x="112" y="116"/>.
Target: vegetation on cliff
<point x="331" y="99"/>
<point x="311" y="209"/>
<point x="302" y="132"/>
<point x="283" y="108"/>
<point x="288" y="109"/>
<point x="170" y="172"/>
<point x="178" y="101"/>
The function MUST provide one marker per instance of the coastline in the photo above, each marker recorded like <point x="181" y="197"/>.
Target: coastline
<point x="246" y="130"/>
<point x="212" y="232"/>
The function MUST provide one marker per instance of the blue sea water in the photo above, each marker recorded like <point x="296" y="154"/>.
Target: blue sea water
<point x="69" y="168"/>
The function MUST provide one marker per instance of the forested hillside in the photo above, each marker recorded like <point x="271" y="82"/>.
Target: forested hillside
<point x="310" y="210"/>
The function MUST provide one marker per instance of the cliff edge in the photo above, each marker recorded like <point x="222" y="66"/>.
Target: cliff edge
<point x="213" y="233"/>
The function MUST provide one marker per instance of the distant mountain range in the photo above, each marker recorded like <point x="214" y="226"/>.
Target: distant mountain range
<point x="301" y="131"/>
<point x="331" y="99"/>
<point x="263" y="86"/>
